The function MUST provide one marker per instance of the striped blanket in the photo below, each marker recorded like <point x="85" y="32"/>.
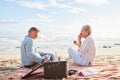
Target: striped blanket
<point x="102" y="71"/>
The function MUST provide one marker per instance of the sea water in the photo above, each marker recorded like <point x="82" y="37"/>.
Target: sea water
<point x="52" y="42"/>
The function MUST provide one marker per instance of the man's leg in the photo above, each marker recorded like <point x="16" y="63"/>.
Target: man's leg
<point x="51" y="56"/>
<point x="47" y="56"/>
<point x="42" y="53"/>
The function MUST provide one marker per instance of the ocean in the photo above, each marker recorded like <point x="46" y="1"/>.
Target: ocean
<point x="53" y="42"/>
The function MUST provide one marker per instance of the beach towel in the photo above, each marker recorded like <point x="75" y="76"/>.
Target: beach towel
<point x="102" y="71"/>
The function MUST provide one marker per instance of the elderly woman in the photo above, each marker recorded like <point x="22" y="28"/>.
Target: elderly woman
<point x="85" y="54"/>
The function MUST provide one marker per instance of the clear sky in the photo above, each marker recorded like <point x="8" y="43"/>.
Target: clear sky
<point x="62" y="17"/>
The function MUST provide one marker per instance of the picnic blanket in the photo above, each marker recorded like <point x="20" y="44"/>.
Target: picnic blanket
<point x="102" y="71"/>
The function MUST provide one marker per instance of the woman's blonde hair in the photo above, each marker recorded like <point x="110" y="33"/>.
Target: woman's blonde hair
<point x="87" y="28"/>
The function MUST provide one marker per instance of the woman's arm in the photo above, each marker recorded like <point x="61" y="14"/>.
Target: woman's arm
<point x="78" y="43"/>
<point x="85" y="45"/>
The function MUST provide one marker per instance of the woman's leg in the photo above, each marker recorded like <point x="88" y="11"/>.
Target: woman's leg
<point x="74" y="55"/>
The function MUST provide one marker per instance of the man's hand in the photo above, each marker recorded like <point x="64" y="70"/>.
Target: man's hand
<point x="45" y="60"/>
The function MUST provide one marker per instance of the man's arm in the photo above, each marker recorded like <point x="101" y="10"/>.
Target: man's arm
<point x="30" y="53"/>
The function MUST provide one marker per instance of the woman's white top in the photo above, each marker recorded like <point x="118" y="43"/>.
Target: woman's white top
<point x="87" y="51"/>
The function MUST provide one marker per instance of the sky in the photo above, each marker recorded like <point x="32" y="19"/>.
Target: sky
<point x="60" y="17"/>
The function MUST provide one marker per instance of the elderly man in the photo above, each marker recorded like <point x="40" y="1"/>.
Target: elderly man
<point x="29" y="56"/>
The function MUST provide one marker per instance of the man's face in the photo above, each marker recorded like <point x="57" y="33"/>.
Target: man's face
<point x="34" y="34"/>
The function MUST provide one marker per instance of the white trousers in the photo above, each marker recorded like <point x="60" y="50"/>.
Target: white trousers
<point x="78" y="57"/>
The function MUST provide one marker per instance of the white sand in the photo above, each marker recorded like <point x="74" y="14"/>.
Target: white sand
<point x="10" y="60"/>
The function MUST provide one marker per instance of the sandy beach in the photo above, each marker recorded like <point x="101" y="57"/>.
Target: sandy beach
<point x="10" y="60"/>
<point x="57" y="25"/>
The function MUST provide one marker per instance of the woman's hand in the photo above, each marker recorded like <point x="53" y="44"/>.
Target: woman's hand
<point x="79" y="37"/>
<point x="78" y="43"/>
<point x="75" y="42"/>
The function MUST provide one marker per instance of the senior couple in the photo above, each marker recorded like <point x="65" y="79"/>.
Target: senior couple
<point x="84" y="56"/>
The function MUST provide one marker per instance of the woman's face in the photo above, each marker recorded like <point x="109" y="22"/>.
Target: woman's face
<point x="84" y="33"/>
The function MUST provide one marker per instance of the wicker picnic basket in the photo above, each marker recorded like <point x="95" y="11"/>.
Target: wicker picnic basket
<point x="55" y="70"/>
